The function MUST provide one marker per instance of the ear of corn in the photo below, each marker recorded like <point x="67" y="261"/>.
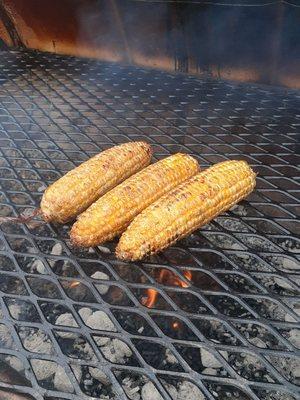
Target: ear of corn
<point x="79" y="188"/>
<point x="112" y="213"/>
<point x="186" y="208"/>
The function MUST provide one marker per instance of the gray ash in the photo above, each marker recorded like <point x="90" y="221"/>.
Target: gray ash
<point x="134" y="323"/>
<point x="226" y="392"/>
<point x="250" y="367"/>
<point x="264" y="394"/>
<point x="115" y="350"/>
<point x="93" y="382"/>
<point x="74" y="345"/>
<point x="22" y="310"/>
<point x="203" y="361"/>
<point x="138" y="386"/>
<point x="157" y="355"/>
<point x="181" y="389"/>
<point x="52" y="311"/>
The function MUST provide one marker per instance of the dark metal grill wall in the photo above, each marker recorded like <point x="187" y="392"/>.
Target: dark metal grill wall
<point x="258" y="43"/>
<point x="240" y="308"/>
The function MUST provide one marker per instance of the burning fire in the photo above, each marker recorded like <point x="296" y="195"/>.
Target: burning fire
<point x="149" y="301"/>
<point x="166" y="277"/>
<point x="74" y="284"/>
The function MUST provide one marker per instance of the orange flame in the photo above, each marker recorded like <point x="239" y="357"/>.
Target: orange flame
<point x="168" y="278"/>
<point x="74" y="284"/>
<point x="151" y="297"/>
<point x="188" y="275"/>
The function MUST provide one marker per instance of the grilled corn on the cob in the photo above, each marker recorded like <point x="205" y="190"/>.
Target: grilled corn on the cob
<point x="186" y="208"/>
<point x="79" y="188"/>
<point x="113" y="212"/>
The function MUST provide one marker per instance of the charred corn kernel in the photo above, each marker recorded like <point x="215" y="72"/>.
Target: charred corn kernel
<point x="112" y="213"/>
<point x="186" y="208"/>
<point x="79" y="188"/>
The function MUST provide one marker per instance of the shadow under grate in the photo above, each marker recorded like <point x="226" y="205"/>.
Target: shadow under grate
<point x="216" y="316"/>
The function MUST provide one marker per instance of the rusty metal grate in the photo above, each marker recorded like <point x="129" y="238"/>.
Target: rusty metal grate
<point x="224" y="318"/>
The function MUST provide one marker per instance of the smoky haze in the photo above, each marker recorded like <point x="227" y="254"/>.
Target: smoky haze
<point x="259" y="43"/>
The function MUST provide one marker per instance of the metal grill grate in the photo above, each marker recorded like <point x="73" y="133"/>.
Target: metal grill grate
<point x="76" y="324"/>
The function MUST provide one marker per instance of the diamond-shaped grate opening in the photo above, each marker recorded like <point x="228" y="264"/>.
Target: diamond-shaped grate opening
<point x="214" y="317"/>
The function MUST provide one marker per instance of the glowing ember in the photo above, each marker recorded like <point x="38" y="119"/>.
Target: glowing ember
<point x="166" y="277"/>
<point x="74" y="284"/>
<point x="175" y="325"/>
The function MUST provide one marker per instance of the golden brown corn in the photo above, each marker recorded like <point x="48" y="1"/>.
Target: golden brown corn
<point x="112" y="213"/>
<point x="79" y="188"/>
<point x="186" y="208"/>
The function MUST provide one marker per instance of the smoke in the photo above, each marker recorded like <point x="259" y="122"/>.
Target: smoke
<point x="255" y="43"/>
<point x="126" y="31"/>
<point x="249" y="43"/>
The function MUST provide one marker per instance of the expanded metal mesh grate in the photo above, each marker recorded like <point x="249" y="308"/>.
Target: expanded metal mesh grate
<point x="216" y="316"/>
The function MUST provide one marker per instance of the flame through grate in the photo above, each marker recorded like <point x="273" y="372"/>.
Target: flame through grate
<point x="216" y="316"/>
